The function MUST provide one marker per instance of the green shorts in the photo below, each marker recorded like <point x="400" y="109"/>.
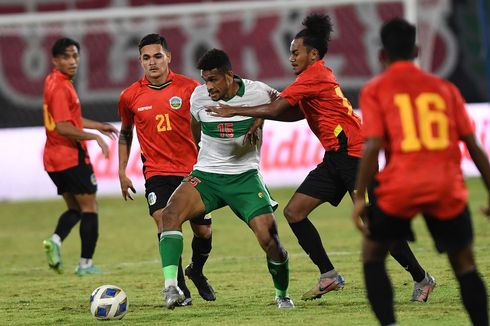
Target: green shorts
<point x="245" y="193"/>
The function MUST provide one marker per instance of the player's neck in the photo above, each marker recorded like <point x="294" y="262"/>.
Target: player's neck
<point x="232" y="91"/>
<point x="158" y="81"/>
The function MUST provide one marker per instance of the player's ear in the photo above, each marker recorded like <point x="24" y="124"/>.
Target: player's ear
<point x="382" y="57"/>
<point x="416" y="52"/>
<point x="169" y="55"/>
<point x="54" y="61"/>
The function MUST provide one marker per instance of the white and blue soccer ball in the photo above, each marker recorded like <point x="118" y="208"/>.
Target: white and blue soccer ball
<point x="108" y="302"/>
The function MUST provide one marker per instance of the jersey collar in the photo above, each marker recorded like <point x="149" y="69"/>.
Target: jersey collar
<point x="241" y="88"/>
<point x="169" y="81"/>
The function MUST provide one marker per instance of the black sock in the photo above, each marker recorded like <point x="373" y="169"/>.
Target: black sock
<point x="89" y="232"/>
<point x="474" y="297"/>
<point x="379" y="291"/>
<point x="405" y="257"/>
<point x="200" y="252"/>
<point x="310" y="241"/>
<point x="181" y="280"/>
<point x="66" y="222"/>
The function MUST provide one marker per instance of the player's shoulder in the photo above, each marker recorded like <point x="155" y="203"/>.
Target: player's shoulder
<point x="200" y="93"/>
<point x="256" y="85"/>
<point x="132" y="89"/>
<point x="182" y="79"/>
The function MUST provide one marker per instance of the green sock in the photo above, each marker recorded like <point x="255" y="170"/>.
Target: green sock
<point x="280" y="276"/>
<point x="171" y="247"/>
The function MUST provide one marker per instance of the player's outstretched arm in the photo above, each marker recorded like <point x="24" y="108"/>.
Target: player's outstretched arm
<point x="105" y="128"/>
<point x="65" y="128"/>
<point x="124" y="149"/>
<point x="271" y="111"/>
<point x="481" y="161"/>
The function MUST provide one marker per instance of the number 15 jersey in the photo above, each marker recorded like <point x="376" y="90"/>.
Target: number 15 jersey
<point x="162" y="120"/>
<point x="421" y="119"/>
<point x="221" y="149"/>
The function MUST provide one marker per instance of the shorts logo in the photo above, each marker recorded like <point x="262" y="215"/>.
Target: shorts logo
<point x="207" y="216"/>
<point x="175" y="102"/>
<point x="93" y="179"/>
<point x="260" y="195"/>
<point x="192" y="180"/>
<point x="152" y="198"/>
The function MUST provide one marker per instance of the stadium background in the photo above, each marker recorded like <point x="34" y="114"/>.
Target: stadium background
<point x="256" y="35"/>
<point x="451" y="37"/>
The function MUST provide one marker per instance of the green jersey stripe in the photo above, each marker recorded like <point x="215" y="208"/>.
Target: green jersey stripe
<point x="226" y="129"/>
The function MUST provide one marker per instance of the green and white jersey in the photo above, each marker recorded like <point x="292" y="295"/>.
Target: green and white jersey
<point x="221" y="147"/>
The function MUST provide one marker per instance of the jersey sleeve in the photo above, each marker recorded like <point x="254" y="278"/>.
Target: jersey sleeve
<point x="124" y="109"/>
<point x="298" y="90"/>
<point x="195" y="106"/>
<point x="59" y="105"/>
<point x="270" y="92"/>
<point x="372" y="117"/>
<point x="463" y="121"/>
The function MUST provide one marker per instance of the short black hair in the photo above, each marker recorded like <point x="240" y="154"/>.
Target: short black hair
<point x="316" y="35"/>
<point x="153" y="39"/>
<point x="398" y="39"/>
<point x="214" y="58"/>
<point x="61" y="44"/>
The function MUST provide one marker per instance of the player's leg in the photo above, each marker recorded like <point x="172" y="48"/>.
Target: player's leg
<point x="455" y="236"/>
<point x="185" y="203"/>
<point x="321" y="185"/>
<point x="89" y="233"/>
<point x="201" y="248"/>
<point x="384" y="230"/>
<point x="265" y="229"/>
<point x="158" y="190"/>
<point x="399" y="250"/>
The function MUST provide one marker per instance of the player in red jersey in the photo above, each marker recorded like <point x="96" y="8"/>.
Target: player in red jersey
<point x="316" y="96"/>
<point x="416" y="117"/>
<point x="158" y="106"/>
<point x="66" y="158"/>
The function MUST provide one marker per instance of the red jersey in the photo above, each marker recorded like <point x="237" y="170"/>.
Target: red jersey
<point x="163" y="124"/>
<point x="327" y="111"/>
<point x="421" y="119"/>
<point x="61" y="104"/>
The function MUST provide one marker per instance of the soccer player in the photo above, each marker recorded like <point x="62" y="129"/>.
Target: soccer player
<point x="418" y="119"/>
<point x="66" y="158"/>
<point x="226" y="173"/>
<point x="316" y="95"/>
<point x="158" y="106"/>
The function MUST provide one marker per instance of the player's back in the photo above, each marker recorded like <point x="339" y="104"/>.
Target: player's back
<point x="424" y="117"/>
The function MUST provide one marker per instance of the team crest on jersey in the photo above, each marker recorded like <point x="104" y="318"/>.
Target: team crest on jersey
<point x="175" y="102"/>
<point x="93" y="179"/>
<point x="152" y="198"/>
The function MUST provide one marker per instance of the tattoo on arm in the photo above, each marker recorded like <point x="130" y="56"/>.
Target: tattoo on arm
<point x="125" y="136"/>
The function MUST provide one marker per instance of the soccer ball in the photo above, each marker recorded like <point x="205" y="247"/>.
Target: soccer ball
<point x="108" y="302"/>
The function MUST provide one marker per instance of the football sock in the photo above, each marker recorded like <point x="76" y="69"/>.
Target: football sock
<point x="85" y="262"/>
<point x="200" y="252"/>
<point x="56" y="239"/>
<point x="310" y="241"/>
<point x="405" y="257"/>
<point x="474" y="297"/>
<point x="379" y="291"/>
<point x="89" y="232"/>
<point x="171" y="246"/>
<point x="280" y="276"/>
<point x="66" y="222"/>
<point x="181" y="280"/>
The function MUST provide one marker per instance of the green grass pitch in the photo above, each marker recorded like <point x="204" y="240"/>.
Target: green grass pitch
<point x="32" y="294"/>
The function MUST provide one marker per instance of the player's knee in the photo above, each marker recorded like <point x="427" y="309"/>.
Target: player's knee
<point x="292" y="215"/>
<point x="462" y="261"/>
<point x="202" y="231"/>
<point x="171" y="218"/>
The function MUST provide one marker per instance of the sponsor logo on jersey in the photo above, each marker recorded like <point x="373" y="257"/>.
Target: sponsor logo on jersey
<point x="152" y="198"/>
<point x="144" y="108"/>
<point x="175" y="102"/>
<point x="93" y="179"/>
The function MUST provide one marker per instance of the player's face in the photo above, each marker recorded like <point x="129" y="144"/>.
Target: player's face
<point x="218" y="83"/>
<point x="154" y="60"/>
<point x="299" y="56"/>
<point x="68" y="61"/>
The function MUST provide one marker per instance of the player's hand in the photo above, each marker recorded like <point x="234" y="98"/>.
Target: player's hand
<point x="108" y="130"/>
<point x="486" y="210"/>
<point x="252" y="136"/>
<point x="221" y="110"/>
<point x="103" y="146"/>
<point x="126" y="185"/>
<point x="358" y="214"/>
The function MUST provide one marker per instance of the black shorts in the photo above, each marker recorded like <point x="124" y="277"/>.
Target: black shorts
<point x="158" y="191"/>
<point x="449" y="236"/>
<point x="332" y="178"/>
<point x="79" y="179"/>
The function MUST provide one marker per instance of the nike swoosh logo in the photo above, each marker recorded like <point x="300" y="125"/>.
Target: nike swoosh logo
<point x="323" y="289"/>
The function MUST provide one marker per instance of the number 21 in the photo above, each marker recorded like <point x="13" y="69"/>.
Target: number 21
<point x="163" y="122"/>
<point x="430" y="110"/>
